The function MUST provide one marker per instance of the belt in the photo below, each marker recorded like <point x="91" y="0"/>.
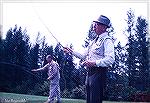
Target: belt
<point x="94" y="70"/>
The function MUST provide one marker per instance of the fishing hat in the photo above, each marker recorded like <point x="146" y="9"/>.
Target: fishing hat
<point x="103" y="20"/>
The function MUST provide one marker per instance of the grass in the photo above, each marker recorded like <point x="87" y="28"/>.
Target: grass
<point x="21" y="98"/>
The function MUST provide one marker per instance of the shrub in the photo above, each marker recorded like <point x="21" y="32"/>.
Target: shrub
<point x="41" y="89"/>
<point x="79" y="92"/>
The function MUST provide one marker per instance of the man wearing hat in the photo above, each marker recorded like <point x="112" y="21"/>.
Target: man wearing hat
<point x="97" y="58"/>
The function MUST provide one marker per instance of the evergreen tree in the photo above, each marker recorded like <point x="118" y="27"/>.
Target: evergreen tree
<point x="17" y="46"/>
<point x="137" y="52"/>
<point x="141" y="32"/>
<point x="131" y="48"/>
<point x="91" y="35"/>
<point x="117" y="75"/>
<point x="1" y="45"/>
<point x="22" y="51"/>
<point x="0" y="33"/>
<point x="68" y="71"/>
<point x="34" y="61"/>
<point x="120" y="57"/>
<point x="16" y="55"/>
<point x="9" y="46"/>
<point x="34" y="55"/>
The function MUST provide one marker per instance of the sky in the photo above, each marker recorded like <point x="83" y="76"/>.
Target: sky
<point x="68" y="21"/>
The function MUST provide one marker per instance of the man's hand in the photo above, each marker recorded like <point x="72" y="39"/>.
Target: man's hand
<point x="89" y="64"/>
<point x="67" y="50"/>
<point x="34" y="70"/>
<point x="50" y="78"/>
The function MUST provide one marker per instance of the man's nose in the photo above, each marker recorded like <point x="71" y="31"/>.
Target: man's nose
<point x="94" y="27"/>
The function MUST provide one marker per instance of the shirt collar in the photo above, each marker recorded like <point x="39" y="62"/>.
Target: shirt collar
<point x="51" y="62"/>
<point x="103" y="35"/>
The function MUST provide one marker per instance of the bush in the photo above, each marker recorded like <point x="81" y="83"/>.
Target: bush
<point x="22" y="88"/>
<point x="76" y="93"/>
<point x="118" y="92"/>
<point x="66" y="94"/>
<point x="140" y="96"/>
<point x="79" y="92"/>
<point x="40" y="89"/>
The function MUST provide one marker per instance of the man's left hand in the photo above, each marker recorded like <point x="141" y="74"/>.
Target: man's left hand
<point x="89" y="64"/>
<point x="50" y="78"/>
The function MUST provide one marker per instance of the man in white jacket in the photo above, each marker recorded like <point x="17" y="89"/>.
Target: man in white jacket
<point x="54" y="77"/>
<point x="98" y="57"/>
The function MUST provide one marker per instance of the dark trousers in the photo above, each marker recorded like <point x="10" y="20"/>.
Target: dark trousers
<point x="95" y="83"/>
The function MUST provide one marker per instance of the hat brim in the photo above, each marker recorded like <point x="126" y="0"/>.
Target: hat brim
<point x="101" y="23"/>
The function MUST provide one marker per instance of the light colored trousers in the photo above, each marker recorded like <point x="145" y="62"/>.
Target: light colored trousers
<point x="54" y="90"/>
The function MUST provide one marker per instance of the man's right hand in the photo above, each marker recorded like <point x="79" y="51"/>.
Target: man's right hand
<point x="67" y="50"/>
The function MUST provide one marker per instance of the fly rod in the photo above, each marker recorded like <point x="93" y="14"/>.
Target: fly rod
<point x="48" y="29"/>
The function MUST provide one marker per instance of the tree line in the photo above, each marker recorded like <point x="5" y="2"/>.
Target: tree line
<point x="129" y="75"/>
<point x="18" y="57"/>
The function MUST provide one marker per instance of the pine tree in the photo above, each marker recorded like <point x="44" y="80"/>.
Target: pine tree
<point x="16" y="56"/>
<point x="9" y="46"/>
<point x="0" y="34"/>
<point x="34" y="51"/>
<point x="131" y="48"/>
<point x="141" y="33"/>
<point x="117" y="75"/>
<point x="17" y="47"/>
<point x="91" y="35"/>
<point x="1" y="45"/>
<point x="120" y="58"/>
<point x="137" y="52"/>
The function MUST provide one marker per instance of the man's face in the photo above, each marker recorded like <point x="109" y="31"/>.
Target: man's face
<point x="99" y="28"/>
<point x="49" y="59"/>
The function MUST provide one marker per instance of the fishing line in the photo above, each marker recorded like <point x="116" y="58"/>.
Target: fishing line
<point x="22" y="66"/>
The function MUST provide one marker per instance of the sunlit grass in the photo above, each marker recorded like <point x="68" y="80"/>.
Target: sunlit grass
<point x="21" y="98"/>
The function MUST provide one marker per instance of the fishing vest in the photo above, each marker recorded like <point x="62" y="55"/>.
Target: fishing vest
<point x="96" y="49"/>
